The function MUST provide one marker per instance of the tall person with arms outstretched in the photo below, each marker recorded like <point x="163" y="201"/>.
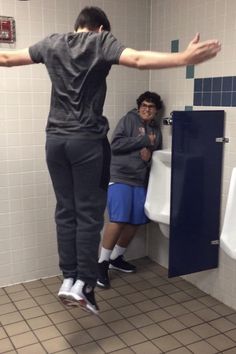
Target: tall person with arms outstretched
<point x="77" y="149"/>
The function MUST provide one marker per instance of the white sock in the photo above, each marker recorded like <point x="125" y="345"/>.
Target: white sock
<point x="117" y="251"/>
<point x="104" y="255"/>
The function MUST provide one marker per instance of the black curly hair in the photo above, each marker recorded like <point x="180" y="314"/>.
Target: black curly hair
<point x="152" y="97"/>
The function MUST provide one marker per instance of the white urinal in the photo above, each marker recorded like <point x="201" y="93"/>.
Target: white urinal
<point x="157" y="205"/>
<point x="228" y="234"/>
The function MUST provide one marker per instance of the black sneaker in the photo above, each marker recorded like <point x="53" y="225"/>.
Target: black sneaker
<point x="103" y="277"/>
<point x="120" y="264"/>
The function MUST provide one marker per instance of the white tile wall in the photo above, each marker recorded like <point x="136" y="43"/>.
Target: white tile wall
<point x="181" y="19"/>
<point x="27" y="231"/>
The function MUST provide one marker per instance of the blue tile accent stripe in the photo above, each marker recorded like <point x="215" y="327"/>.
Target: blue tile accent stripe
<point x="188" y="108"/>
<point x="215" y="91"/>
<point x="189" y="71"/>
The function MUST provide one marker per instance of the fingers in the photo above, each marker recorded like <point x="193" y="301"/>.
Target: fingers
<point x="196" y="39"/>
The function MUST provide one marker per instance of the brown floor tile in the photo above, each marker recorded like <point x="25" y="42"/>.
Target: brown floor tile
<point x="159" y="315"/>
<point x="110" y="316"/>
<point x="7" y="308"/>
<point x="53" y="307"/>
<point x="20" y="295"/>
<point x="47" y="333"/>
<point x="90" y="348"/>
<point x="146" y="347"/>
<point x="128" y="311"/>
<point x="4" y="299"/>
<point x="172" y="325"/>
<point x="190" y="320"/>
<point x="14" y="288"/>
<point x="205" y="330"/>
<point x="222" y="324"/>
<point x="39" y="291"/>
<point x="25" y="304"/>
<point x="100" y="332"/>
<point x="11" y="318"/>
<point x="39" y="322"/>
<point x="186" y="336"/>
<point x="152" y="294"/>
<point x="146" y="306"/>
<point x="135" y="297"/>
<point x="123" y="351"/>
<point x="32" y="312"/>
<point x="90" y="321"/>
<point x="141" y="320"/>
<point x="61" y="316"/>
<point x="3" y="333"/>
<point x="118" y="302"/>
<point x="181" y="350"/>
<point x="231" y="334"/>
<point x="33" y="284"/>
<point x="163" y="301"/>
<point x="176" y="310"/>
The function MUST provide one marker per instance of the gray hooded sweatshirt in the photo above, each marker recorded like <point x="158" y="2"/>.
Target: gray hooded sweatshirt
<point x="129" y="137"/>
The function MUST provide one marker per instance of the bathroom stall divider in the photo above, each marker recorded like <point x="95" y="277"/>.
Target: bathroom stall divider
<point x="196" y="169"/>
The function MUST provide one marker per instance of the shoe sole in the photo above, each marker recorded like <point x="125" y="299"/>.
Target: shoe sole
<point x="102" y="286"/>
<point x="66" y="300"/>
<point x="122" y="270"/>
<point x="83" y="303"/>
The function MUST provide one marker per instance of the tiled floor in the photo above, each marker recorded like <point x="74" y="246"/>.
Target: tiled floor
<point x="143" y="313"/>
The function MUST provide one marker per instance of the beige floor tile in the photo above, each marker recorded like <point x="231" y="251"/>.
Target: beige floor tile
<point x="172" y="325"/>
<point x="33" y="284"/>
<point x="61" y="316"/>
<point x="222" y="324"/>
<point x="142" y="285"/>
<point x="146" y="306"/>
<point x="163" y="301"/>
<point x="193" y="305"/>
<point x="7" y="308"/>
<point x="181" y="350"/>
<point x="53" y="307"/>
<point x="121" y="326"/>
<point x="176" y="310"/>
<point x="108" y="294"/>
<point x="152" y="294"/>
<point x="32" y="349"/>
<point x="159" y="315"/>
<point x="232" y="317"/>
<point x="78" y="338"/>
<point x="67" y="351"/>
<point x="39" y="291"/>
<point x="55" y="345"/>
<point x="90" y="348"/>
<point x="230" y="351"/>
<point x="195" y="292"/>
<point x="146" y="347"/>
<point x="4" y="299"/>
<point x="208" y="301"/>
<point x="128" y="311"/>
<point x="207" y="314"/>
<point x="167" y="343"/>
<point x="168" y="289"/>
<point x="153" y="331"/>
<point x="69" y="326"/>
<point x="118" y="302"/>
<point x="20" y="295"/>
<point x="100" y="332"/>
<point x="123" y="351"/>
<point x="2" y="292"/>
<point x="90" y="321"/>
<point x="186" y="336"/>
<point x="45" y="299"/>
<point x="183" y="284"/>
<point x="51" y="280"/>
<point x="39" y="322"/>
<point x="141" y="320"/>
<point x="190" y="320"/>
<point x="133" y="337"/>
<point x="180" y="296"/>
<point x="221" y="342"/>
<point x="25" y="339"/>
<point x="223" y="310"/>
<point x="17" y="328"/>
<point x="135" y="297"/>
<point x="126" y="289"/>
<point x="77" y="312"/>
<point x="104" y="306"/>
<point x="25" y="304"/>
<point x="5" y="345"/>
<point x="111" y="344"/>
<point x="110" y="316"/>
<point x="231" y="334"/>
<point x="14" y="288"/>
<point x="32" y="313"/>
<point x="202" y="347"/>
<point x="205" y="330"/>
<point x="47" y="333"/>
<point x="3" y="333"/>
<point x="10" y="318"/>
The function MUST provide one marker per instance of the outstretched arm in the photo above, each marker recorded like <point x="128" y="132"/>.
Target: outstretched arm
<point x="15" y="58"/>
<point x="196" y="52"/>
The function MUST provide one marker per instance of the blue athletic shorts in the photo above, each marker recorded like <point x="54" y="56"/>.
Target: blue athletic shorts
<point x="126" y="204"/>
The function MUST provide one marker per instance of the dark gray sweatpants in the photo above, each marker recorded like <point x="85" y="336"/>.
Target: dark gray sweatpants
<point x="79" y="169"/>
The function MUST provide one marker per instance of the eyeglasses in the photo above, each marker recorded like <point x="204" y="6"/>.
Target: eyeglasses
<point x="147" y="106"/>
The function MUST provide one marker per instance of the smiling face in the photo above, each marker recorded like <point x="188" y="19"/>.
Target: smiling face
<point x="147" y="111"/>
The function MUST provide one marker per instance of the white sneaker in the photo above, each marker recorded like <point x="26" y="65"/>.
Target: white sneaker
<point x="83" y="294"/>
<point x="64" y="290"/>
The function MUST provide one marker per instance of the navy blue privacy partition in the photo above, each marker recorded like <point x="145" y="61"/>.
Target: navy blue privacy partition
<point x="195" y="191"/>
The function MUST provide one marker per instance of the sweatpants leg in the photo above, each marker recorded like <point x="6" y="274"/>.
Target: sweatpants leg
<point x="83" y="198"/>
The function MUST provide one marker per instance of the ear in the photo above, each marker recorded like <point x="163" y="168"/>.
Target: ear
<point x="100" y="29"/>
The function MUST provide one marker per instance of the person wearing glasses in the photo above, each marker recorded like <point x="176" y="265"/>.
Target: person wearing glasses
<point x="134" y="139"/>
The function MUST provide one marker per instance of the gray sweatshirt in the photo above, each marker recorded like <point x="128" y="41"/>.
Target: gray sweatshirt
<point x="129" y="137"/>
